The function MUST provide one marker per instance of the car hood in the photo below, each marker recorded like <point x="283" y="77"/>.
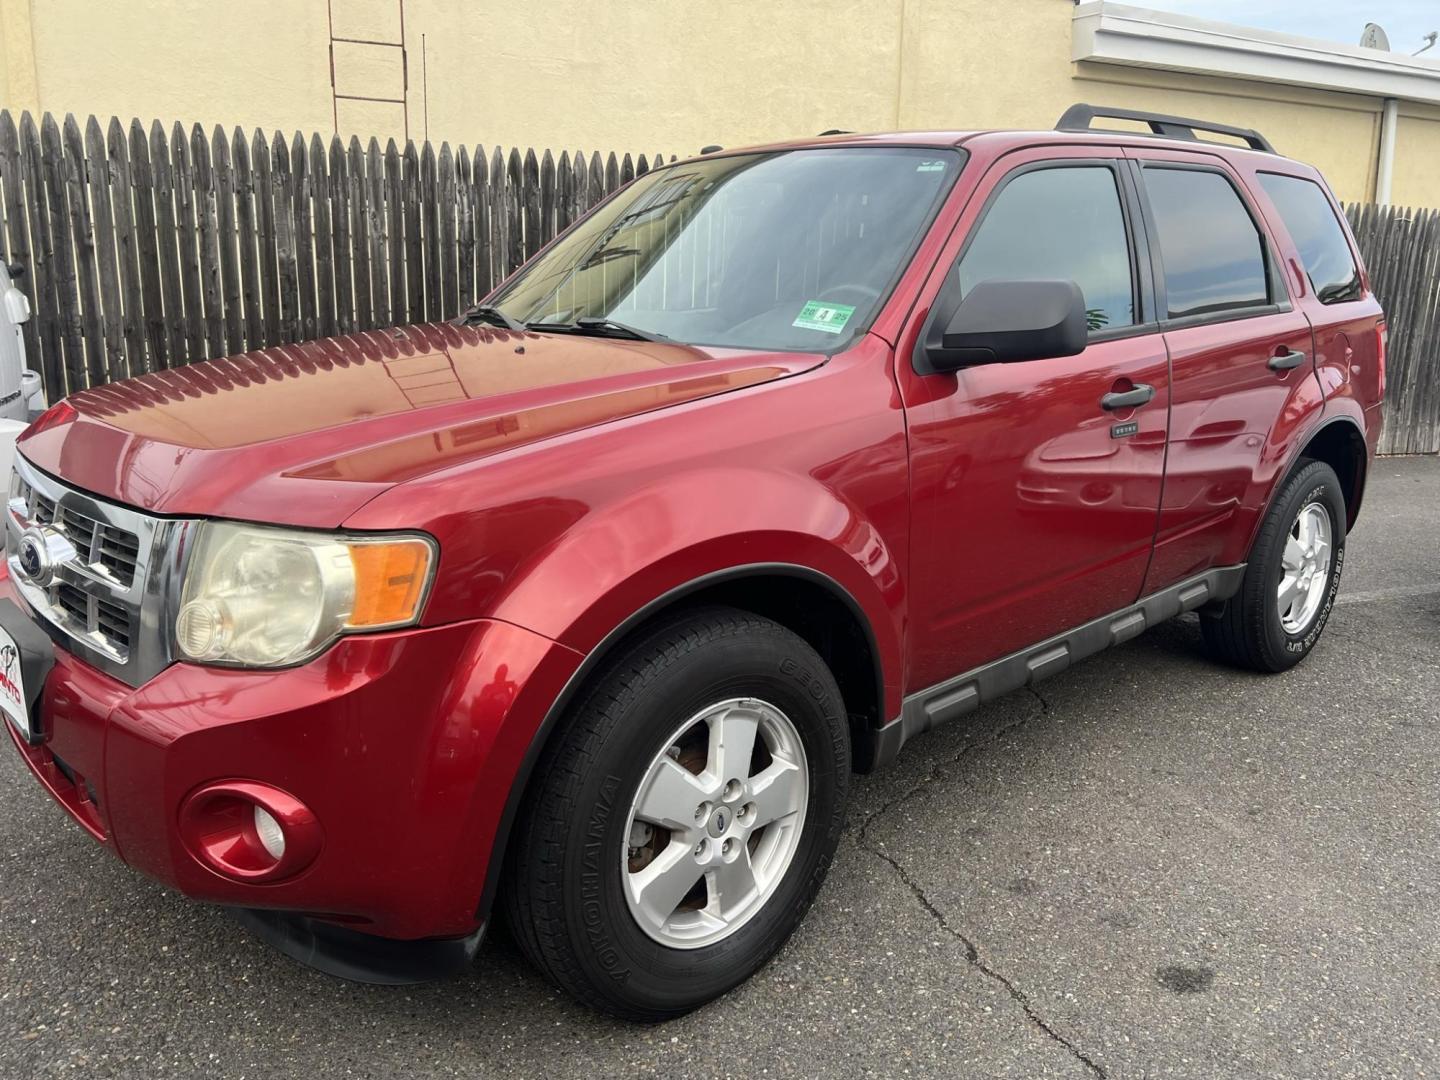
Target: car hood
<point x="306" y="434"/>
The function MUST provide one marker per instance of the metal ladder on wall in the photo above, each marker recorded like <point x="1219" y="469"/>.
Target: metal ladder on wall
<point x="365" y="42"/>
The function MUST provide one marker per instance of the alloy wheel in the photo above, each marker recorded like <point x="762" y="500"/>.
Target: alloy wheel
<point x="715" y="823"/>
<point x="1305" y="568"/>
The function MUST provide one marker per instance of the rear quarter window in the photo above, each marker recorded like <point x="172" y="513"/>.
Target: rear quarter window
<point x="1310" y="220"/>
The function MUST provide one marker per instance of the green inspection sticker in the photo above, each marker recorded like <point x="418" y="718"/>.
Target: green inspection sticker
<point x="828" y="318"/>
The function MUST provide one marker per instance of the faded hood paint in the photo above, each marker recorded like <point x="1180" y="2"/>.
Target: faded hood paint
<point x="307" y="434"/>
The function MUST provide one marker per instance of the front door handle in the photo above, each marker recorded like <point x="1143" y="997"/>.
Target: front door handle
<point x="1286" y="361"/>
<point x="1128" y="399"/>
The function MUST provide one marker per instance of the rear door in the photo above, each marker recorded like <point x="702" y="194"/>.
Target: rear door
<point x="1326" y="276"/>
<point x="1033" y="504"/>
<point x="1241" y="359"/>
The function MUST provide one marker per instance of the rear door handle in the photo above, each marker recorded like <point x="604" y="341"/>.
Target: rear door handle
<point x="1128" y="399"/>
<point x="1286" y="361"/>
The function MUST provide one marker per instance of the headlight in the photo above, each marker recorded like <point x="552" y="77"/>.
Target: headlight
<point x="262" y="597"/>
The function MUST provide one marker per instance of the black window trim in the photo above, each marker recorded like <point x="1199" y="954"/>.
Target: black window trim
<point x="1339" y="221"/>
<point x="1142" y="288"/>
<point x="1276" y="285"/>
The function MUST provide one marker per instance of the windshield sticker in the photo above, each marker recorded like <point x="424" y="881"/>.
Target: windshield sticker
<point x="930" y="166"/>
<point x="828" y="318"/>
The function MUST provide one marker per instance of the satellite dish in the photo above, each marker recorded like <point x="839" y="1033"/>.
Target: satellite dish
<point x="1374" y="38"/>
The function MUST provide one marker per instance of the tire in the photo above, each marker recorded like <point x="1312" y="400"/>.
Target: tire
<point x="572" y="877"/>
<point x="1250" y="631"/>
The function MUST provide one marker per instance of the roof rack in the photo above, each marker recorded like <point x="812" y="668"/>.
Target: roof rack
<point x="1078" y="117"/>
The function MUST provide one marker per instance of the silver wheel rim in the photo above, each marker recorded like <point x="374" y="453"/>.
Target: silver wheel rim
<point x="1304" y="568"/>
<point x="715" y="823"/>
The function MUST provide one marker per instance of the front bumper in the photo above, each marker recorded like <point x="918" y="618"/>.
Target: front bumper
<point x="404" y="745"/>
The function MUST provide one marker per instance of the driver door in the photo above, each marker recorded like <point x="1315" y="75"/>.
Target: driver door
<point x="1034" y="506"/>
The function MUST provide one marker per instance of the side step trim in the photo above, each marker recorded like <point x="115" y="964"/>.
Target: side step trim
<point x="963" y="694"/>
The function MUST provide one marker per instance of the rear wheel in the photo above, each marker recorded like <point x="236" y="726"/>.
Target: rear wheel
<point x="1292" y="578"/>
<point x="678" y="830"/>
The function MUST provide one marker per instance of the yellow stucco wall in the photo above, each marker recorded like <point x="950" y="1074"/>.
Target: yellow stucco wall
<point x="1417" y="157"/>
<point x="644" y="75"/>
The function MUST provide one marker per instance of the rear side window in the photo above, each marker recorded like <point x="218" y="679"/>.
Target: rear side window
<point x="1311" y="222"/>
<point x="1214" y="255"/>
<point x="1063" y="222"/>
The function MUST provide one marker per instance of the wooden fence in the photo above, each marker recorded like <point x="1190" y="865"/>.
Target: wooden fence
<point x="1402" y="252"/>
<point x="145" y="251"/>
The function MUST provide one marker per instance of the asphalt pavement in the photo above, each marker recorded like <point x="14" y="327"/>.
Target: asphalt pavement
<point x="1147" y="867"/>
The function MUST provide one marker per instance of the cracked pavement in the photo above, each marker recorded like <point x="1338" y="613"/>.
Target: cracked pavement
<point x="1147" y="866"/>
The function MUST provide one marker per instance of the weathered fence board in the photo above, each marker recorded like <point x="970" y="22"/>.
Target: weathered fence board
<point x="288" y="304"/>
<point x="340" y="238"/>
<point x="97" y="169"/>
<point x="395" y="233"/>
<point x="147" y="251"/>
<point x="414" y="251"/>
<point x="227" y="238"/>
<point x="444" y="241"/>
<point x="43" y="268"/>
<point x="1401" y="247"/>
<point x="90" y="360"/>
<point x="266" y="250"/>
<point x="302" y="224"/>
<point x="182" y="177"/>
<point x="245" y="226"/>
<point x="377" y="226"/>
<point x="324" y="251"/>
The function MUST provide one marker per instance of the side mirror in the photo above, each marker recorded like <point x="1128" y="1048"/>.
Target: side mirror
<point x="1002" y="322"/>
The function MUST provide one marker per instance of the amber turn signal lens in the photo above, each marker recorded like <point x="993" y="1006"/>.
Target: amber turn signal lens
<point x="390" y="577"/>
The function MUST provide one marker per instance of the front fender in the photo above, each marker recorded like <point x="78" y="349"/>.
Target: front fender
<point x="618" y="561"/>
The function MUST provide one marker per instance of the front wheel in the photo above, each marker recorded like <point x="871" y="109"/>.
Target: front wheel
<point x="1290" y="583"/>
<point x="678" y="830"/>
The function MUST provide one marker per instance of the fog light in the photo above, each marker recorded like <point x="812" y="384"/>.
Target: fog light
<point x="249" y="831"/>
<point x="272" y="836"/>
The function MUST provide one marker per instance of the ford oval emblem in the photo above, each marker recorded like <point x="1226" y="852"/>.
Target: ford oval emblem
<point x="33" y="558"/>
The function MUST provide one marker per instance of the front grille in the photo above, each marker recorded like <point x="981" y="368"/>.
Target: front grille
<point x="72" y="602"/>
<point x="87" y="613"/>
<point x="106" y="589"/>
<point x="118" y="553"/>
<point x="113" y="623"/>
<point x="105" y="548"/>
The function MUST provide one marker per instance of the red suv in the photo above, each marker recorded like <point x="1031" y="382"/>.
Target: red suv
<point x="587" y="605"/>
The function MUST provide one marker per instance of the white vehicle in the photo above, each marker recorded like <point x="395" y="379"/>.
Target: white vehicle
<point x="20" y="392"/>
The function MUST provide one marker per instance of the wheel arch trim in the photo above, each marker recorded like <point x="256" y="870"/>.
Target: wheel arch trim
<point x="597" y="655"/>
<point x="1294" y="458"/>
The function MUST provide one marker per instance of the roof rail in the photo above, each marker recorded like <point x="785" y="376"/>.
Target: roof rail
<point x="1078" y="117"/>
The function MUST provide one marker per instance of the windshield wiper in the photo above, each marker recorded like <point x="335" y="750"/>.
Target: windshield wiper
<point x="598" y="324"/>
<point x="487" y="313"/>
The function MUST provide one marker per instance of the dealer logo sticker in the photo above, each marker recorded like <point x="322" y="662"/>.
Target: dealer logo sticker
<point x="12" y="696"/>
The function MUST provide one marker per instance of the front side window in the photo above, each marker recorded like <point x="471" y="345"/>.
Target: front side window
<point x="1214" y="255"/>
<point x="1061" y="222"/>
<point x="789" y="250"/>
<point x="1311" y="222"/>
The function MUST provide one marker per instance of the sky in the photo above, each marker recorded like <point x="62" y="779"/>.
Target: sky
<point x="1405" y="21"/>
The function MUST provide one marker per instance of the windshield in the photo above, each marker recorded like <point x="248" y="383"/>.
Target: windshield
<point x="789" y="250"/>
